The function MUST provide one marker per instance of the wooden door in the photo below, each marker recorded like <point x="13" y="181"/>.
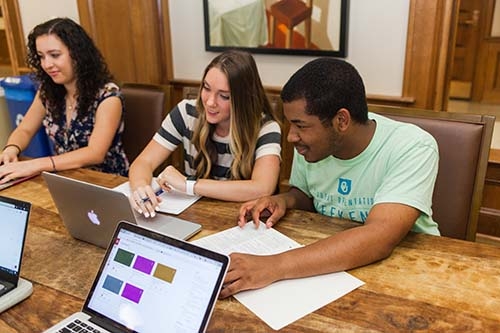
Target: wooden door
<point x="133" y="36"/>
<point x="487" y="78"/>
<point x="491" y="92"/>
<point x="466" y="45"/>
<point x="12" y="45"/>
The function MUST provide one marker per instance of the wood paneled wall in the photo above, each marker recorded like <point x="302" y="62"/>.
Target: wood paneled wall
<point x="486" y="86"/>
<point x="134" y="37"/>
<point x="15" y="41"/>
<point x="491" y="59"/>
<point x="489" y="215"/>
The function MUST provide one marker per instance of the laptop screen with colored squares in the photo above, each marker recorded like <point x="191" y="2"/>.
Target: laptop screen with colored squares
<point x="149" y="282"/>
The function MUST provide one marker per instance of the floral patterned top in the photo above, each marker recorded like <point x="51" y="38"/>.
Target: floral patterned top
<point x="68" y="138"/>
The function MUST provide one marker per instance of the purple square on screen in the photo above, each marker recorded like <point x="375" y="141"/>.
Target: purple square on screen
<point x="132" y="293"/>
<point x="144" y="265"/>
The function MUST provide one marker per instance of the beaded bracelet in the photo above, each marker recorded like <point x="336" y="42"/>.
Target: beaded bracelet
<point x="53" y="164"/>
<point x="13" y="145"/>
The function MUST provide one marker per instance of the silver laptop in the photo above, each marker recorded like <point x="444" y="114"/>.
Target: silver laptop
<point x="14" y="216"/>
<point x="91" y="212"/>
<point x="149" y="282"/>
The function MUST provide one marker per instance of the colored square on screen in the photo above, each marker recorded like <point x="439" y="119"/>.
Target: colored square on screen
<point x="144" y="265"/>
<point x="112" y="284"/>
<point x="124" y="257"/>
<point x="165" y="273"/>
<point x="132" y="293"/>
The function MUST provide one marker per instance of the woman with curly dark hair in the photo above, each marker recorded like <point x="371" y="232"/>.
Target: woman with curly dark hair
<point x="79" y="106"/>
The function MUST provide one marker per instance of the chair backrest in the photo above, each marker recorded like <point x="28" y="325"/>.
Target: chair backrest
<point x="144" y="112"/>
<point x="464" y="142"/>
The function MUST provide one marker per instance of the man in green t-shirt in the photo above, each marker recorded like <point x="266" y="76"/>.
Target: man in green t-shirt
<point x="348" y="163"/>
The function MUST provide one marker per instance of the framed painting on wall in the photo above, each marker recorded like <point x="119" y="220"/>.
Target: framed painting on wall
<point x="295" y="27"/>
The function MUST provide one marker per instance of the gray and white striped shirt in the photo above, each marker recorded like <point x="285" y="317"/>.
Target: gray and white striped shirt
<point x="178" y="126"/>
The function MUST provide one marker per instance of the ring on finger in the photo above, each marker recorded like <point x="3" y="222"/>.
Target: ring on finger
<point x="141" y="200"/>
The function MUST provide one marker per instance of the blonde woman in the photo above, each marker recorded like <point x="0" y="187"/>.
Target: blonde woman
<point x="230" y="136"/>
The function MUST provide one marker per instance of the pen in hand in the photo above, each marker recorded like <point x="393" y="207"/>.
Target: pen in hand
<point x="157" y="193"/>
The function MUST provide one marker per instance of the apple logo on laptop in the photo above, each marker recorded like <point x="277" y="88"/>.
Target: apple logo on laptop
<point x="93" y="217"/>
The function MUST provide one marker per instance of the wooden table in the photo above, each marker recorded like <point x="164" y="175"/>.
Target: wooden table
<point x="428" y="284"/>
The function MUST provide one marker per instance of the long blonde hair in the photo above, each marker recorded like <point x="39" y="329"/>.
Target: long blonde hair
<point x="248" y="104"/>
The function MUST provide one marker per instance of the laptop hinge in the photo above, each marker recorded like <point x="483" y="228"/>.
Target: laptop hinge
<point x="105" y="324"/>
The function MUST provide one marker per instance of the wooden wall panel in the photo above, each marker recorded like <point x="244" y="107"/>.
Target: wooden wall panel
<point x="134" y="36"/>
<point x="130" y="34"/>
<point x="491" y="92"/>
<point x="14" y="36"/>
<point x="482" y="70"/>
<point x="427" y="51"/>
<point x="489" y="215"/>
<point x="145" y="32"/>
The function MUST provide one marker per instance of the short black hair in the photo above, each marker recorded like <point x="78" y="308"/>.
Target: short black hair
<point x="327" y="85"/>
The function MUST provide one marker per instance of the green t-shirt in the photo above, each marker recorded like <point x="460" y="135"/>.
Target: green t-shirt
<point x="399" y="166"/>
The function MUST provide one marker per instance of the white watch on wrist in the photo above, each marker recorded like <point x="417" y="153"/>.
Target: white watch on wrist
<point x="190" y="182"/>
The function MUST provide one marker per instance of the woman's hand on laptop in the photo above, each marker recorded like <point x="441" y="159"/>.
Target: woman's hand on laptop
<point x="145" y="201"/>
<point x="19" y="169"/>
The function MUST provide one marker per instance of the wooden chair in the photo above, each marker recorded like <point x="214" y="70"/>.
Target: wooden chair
<point x="291" y="13"/>
<point x="144" y="113"/>
<point x="464" y="143"/>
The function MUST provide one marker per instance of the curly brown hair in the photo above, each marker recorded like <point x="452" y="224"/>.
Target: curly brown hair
<point x="89" y="65"/>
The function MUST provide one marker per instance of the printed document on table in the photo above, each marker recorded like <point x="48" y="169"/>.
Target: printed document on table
<point x="282" y="302"/>
<point x="173" y="202"/>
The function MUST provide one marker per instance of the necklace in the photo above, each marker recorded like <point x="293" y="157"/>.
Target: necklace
<point x="70" y="110"/>
<point x="70" y="106"/>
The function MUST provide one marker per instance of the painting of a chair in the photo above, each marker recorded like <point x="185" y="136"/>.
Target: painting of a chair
<point x="291" y="13"/>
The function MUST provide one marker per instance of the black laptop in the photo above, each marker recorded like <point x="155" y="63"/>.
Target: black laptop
<point x="14" y="216"/>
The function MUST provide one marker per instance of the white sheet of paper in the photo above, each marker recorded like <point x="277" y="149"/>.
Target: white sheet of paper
<point x="282" y="302"/>
<point x="173" y="202"/>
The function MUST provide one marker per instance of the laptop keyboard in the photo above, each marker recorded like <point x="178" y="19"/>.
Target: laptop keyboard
<point x="78" y="326"/>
